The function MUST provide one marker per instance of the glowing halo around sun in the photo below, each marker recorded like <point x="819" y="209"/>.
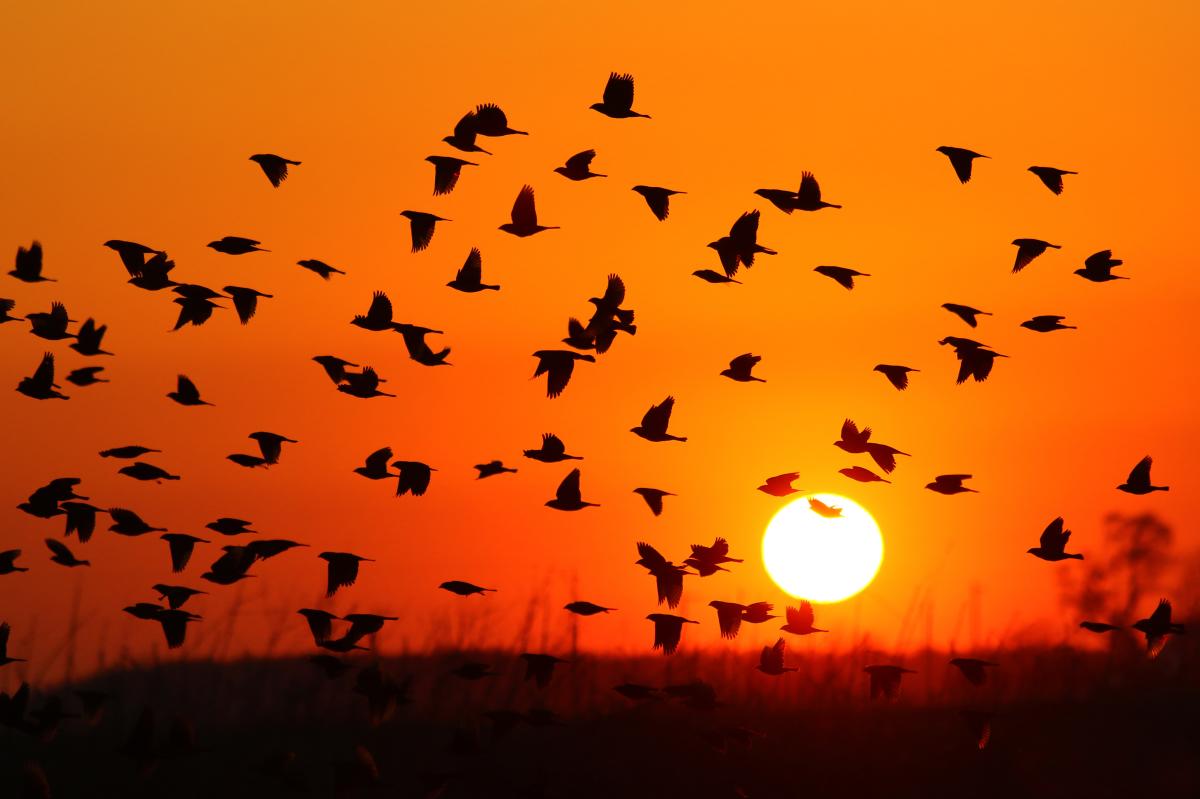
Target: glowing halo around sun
<point x="822" y="559"/>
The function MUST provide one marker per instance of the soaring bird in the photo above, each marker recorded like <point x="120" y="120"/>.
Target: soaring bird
<point x="81" y="519"/>
<point x="741" y="245"/>
<point x="653" y="498"/>
<point x="126" y="522"/>
<point x="1051" y="177"/>
<point x="659" y="199"/>
<point x="236" y="245"/>
<point x="40" y="385"/>
<point x="524" y="216"/>
<point x="267" y="548"/>
<point x="712" y="276"/>
<point x="668" y="577"/>
<point x="856" y="442"/>
<point x="418" y="349"/>
<point x="1098" y="267"/>
<point x="8" y="562"/>
<point x="319" y="268"/>
<point x="181" y="545"/>
<point x="1138" y="481"/>
<point x="271" y="444"/>
<point x="896" y="375"/>
<point x="568" y="497"/>
<point x="176" y="595"/>
<point x="186" y="393"/>
<point x="740" y="368"/>
<point x="582" y="608"/>
<point x="421" y="225"/>
<point x="464" y="135"/>
<point x="140" y="470"/>
<point x="885" y="680"/>
<point x="375" y="467"/>
<point x="655" y="422"/>
<point x="28" y="266"/>
<point x="950" y="484"/>
<point x="771" y="660"/>
<point x="334" y="367"/>
<point x="808" y="198"/>
<point x="618" y="98"/>
<point x="127" y="452"/>
<point x="579" y="167"/>
<point x="1098" y="626"/>
<point x="5" y="632"/>
<point x="462" y="588"/>
<point x="62" y="555"/>
<point x="825" y="511"/>
<point x="975" y="360"/>
<point x="132" y="254"/>
<point x="378" y="316"/>
<point x="758" y="613"/>
<point x="862" y="475"/>
<point x="729" y="617"/>
<point x="558" y="365"/>
<point x="841" y="275"/>
<point x="446" y="171"/>
<point x="50" y="325"/>
<point x="342" y="570"/>
<point x="413" y="477"/>
<point x="800" y="620"/>
<point x="1052" y="544"/>
<point x="961" y="159"/>
<point x="1157" y="627"/>
<point x="540" y="668"/>
<point x="363" y="384"/>
<point x="552" y="451"/>
<point x="245" y="301"/>
<point x="194" y="311"/>
<point x="490" y="120"/>
<point x="469" y="278"/>
<point x="780" y="485"/>
<point x="492" y="468"/>
<point x="1028" y="249"/>
<point x="973" y="669"/>
<point x="248" y="461"/>
<point x="965" y="312"/>
<point x="1047" y="324"/>
<point x="275" y="167"/>
<point x="668" y="630"/>
<point x="707" y="560"/>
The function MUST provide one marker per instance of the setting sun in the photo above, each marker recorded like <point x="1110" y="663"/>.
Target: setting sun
<point x="822" y="547"/>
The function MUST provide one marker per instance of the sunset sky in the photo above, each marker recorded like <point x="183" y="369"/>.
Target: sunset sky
<point x="135" y="120"/>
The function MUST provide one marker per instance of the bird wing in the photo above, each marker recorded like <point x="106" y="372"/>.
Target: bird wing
<point x="378" y="460"/>
<point x="581" y="162"/>
<point x="490" y="118"/>
<point x="187" y="389"/>
<point x="810" y="190"/>
<point x="744" y="362"/>
<point x="719" y="549"/>
<point x="659" y="202"/>
<point x="850" y="431"/>
<point x="659" y="416"/>
<point x="559" y="374"/>
<point x="1161" y="617"/>
<point x="614" y="292"/>
<point x="44" y="375"/>
<point x="654" y="500"/>
<point x="745" y="229"/>
<point x="618" y="92"/>
<point x="381" y="308"/>
<point x="59" y="549"/>
<point x="802" y="616"/>
<point x="654" y="559"/>
<point x="422" y="231"/>
<point x="524" y="212"/>
<point x="1053" y="537"/>
<point x="961" y="161"/>
<point x="467" y="127"/>
<point x="553" y="445"/>
<point x="568" y="489"/>
<point x="445" y="175"/>
<point x="1140" y="474"/>
<point x="472" y="269"/>
<point x="245" y="303"/>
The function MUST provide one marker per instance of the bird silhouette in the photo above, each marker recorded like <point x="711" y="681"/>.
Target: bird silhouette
<point x="582" y="608"/>
<point x="707" y="560"/>
<point x="490" y="120"/>
<point x="961" y="159"/>
<point x="132" y="254"/>
<point x="80" y="519"/>
<point x="267" y="548"/>
<point x="808" y="198"/>
<point x="375" y="467"/>
<point x="1138" y="481"/>
<point x="780" y="485"/>
<point x="885" y="680"/>
<point x="140" y="470"/>
<point x="668" y="577"/>
<point x="1156" y="627"/>
<point x="540" y="667"/>
<point x="862" y="475"/>
<point x="842" y="275"/>
<point x="825" y="511"/>
<point x="1098" y="267"/>
<point x="740" y="368"/>
<point x="6" y="306"/>
<point x="334" y="367"/>
<point x="1051" y="177"/>
<point x="176" y="595"/>
<point x="363" y="384"/>
<point x="186" y="393"/>
<point x="413" y="477"/>
<point x="1047" y="324"/>
<point x="50" y="325"/>
<point x="342" y="570"/>
<point x="8" y="561"/>
<point x="655" y="422"/>
<point x="636" y="692"/>
<point x="320" y="268"/>
<point x="618" y="98"/>
<point x="771" y="660"/>
<point x="320" y="624"/>
<point x="155" y="274"/>
<point x="465" y="132"/>
<point x="40" y="385"/>
<point x="579" y="167"/>
<point x="421" y="225"/>
<point x="658" y="199"/>
<point x="469" y="278"/>
<point x="711" y="276"/>
<point x="558" y="365"/>
<point x="194" y="311"/>
<point x="275" y="167"/>
<point x="1028" y="249"/>
<point x="1052" y="544"/>
<point x="741" y="245"/>
<point x="856" y="442"/>
<point x="127" y="452"/>
<point x="126" y="522"/>
<point x="181" y="546"/>
<point x="271" y="445"/>
<point x="418" y="349"/>
<point x="668" y="629"/>
<point x="950" y="484"/>
<point x="62" y="554"/>
<point x="965" y="312"/>
<point x="524" y="220"/>
<point x="552" y="450"/>
<point x="462" y="588"/>
<point x="88" y="338"/>
<point x="1098" y="626"/>
<point x="446" y="171"/>
<point x="227" y="525"/>
<point x="86" y="376"/>
<point x="377" y="318"/>
<point x="758" y="613"/>
<point x="28" y="266"/>
<point x="5" y="632"/>
<point x="896" y="375"/>
<point x="568" y="497"/>
<point x="236" y="245"/>
<point x="248" y="461"/>
<point x="800" y="620"/>
<point x="729" y="617"/>
<point x="973" y="669"/>
<point x="653" y="498"/>
<point x="975" y="360"/>
<point x="245" y="301"/>
<point x="491" y="469"/>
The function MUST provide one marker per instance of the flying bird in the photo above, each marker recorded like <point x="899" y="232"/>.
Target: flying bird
<point x="896" y="375"/>
<point x="842" y="275"/>
<point x="579" y="167"/>
<point x="618" y="98"/>
<point x="375" y="467"/>
<point x="236" y="245"/>
<point x="245" y="301"/>
<point x="62" y="555"/>
<point x="6" y="306"/>
<point x="741" y="245"/>
<point x="668" y="577"/>
<point x="320" y="268"/>
<point x="28" y="266"/>
<point x="363" y="384"/>
<point x="771" y="660"/>
<point x="132" y="254"/>
<point x="582" y="608"/>
<point x="808" y="198"/>
<point x="418" y="349"/>
<point x="413" y="477"/>
<point x="1047" y="324"/>
<point x="378" y="316"/>
<point x="975" y="360"/>
<point x="800" y="620"/>
<point x="780" y="485"/>
<point x="1138" y="481"/>
<point x="464" y="135"/>
<point x="949" y="484"/>
<point x="86" y="376"/>
<point x="973" y="669"/>
<point x="825" y="511"/>
<point x="1098" y="267"/>
<point x="558" y="365"/>
<point x="248" y="461"/>
<point x="126" y="522"/>
<point x="707" y="560"/>
<point x="1098" y="626"/>
<point x="490" y="120"/>
<point x="334" y="367"/>
<point x="659" y="199"/>
<point x="446" y="171"/>
<point x="1028" y="249"/>
<point x="40" y="385"/>
<point x="965" y="312"/>
<point x="1157" y="627"/>
<point x="469" y="278"/>
<point x="275" y="167"/>
<point x="552" y="450"/>
<point x="740" y="368"/>
<point x="540" y="668"/>
<point x="1052" y="544"/>
<point x="524" y="216"/>
<point x="668" y="630"/>
<point x="1051" y="177"/>
<point x="8" y="562"/>
<point x="127" y="452"/>
<point x="491" y="469"/>
<point x="655" y="422"/>
<point x="342" y="570"/>
<point x="862" y="475"/>
<point x="654" y="498"/>
<point x="271" y="445"/>
<point x="80" y="519"/>
<point x="961" y="159"/>
<point x="88" y="338"/>
<point x="462" y="588"/>
<point x="140" y="470"/>
<point x="320" y="624"/>
<point x="50" y="325"/>
<point x="729" y="617"/>
<point x="568" y="496"/>
<point x="5" y="632"/>
<point x="176" y="595"/>
<point x="711" y="276"/>
<point x="885" y="680"/>
<point x="421" y="225"/>
<point x="186" y="392"/>
<point x="181" y="546"/>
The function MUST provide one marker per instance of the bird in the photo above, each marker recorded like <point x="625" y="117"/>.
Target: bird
<point x="1052" y="544"/>
<point x="320" y="624"/>
<point x="582" y="608"/>
<point x="780" y="485"/>
<point x="275" y="167"/>
<point x="86" y="376"/>
<point x="490" y="120"/>
<point x="618" y="98"/>
<point x="524" y="220"/>
<point x="658" y="199"/>
<point x="1051" y="177"/>
<point x="154" y="274"/>
<point x="758" y="613"/>
<point x="88" y="338"/>
<point x="579" y="167"/>
<point x="174" y="626"/>
<point x="227" y="525"/>
<point x="342" y="570"/>
<point x="364" y="624"/>
<point x="668" y="629"/>
<point x="267" y="548"/>
<point x="540" y="668"/>
<point x="842" y="275"/>
<point x="1028" y="249"/>
<point x="771" y="660"/>
<point x="446" y="171"/>
<point x="896" y="375"/>
<point x="975" y="360"/>
<point x="492" y="468"/>
<point x="186" y="393"/>
<point x="1098" y="626"/>
<point x="236" y="245"/>
<point x="28" y="266"/>
<point x="862" y="475"/>
<point x="271" y="445"/>
<point x="857" y="441"/>
<point x="961" y="159"/>
<point x="568" y="497"/>
<point x="1157" y="627"/>
<point x="62" y="555"/>
<point x="950" y="484"/>
<point x="421" y="225"/>
<point x="729" y="617"/>
<point x="800" y="620"/>
<point x="375" y="467"/>
<point x="363" y="384"/>
<point x="668" y="577"/>
<point x="181" y="546"/>
<point x="462" y="588"/>
<point x="741" y="245"/>
<point x="740" y="368"/>
<point x="821" y="509"/>
<point x="40" y="385"/>
<point x="378" y="316"/>
<point x="1138" y="481"/>
<point x="1047" y="324"/>
<point x="132" y="254"/>
<point x="965" y="312"/>
<point x="655" y="422"/>
<point x="469" y="278"/>
<point x="1098" y="267"/>
<point x="245" y="301"/>
<point x="552" y="451"/>
<point x="335" y="367"/>
<point x="6" y="306"/>
<point x="81" y="519"/>
<point x="885" y="680"/>
<point x="8" y="561"/>
<point x="194" y="311"/>
<point x="418" y="349"/>
<point x="973" y="669"/>
<point x="126" y="522"/>
<point x="413" y="477"/>
<point x="712" y="276"/>
<point x="707" y="560"/>
<point x="464" y="134"/>
<point x="176" y="595"/>
<point x="140" y="470"/>
<point x="5" y="632"/>
<point x="654" y="498"/>
<point x="248" y="461"/>
<point x="127" y="452"/>
<point x="558" y="365"/>
<point x="808" y="198"/>
<point x="320" y="268"/>
<point x="50" y="325"/>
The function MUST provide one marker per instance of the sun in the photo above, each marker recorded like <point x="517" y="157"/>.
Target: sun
<point x="822" y="554"/>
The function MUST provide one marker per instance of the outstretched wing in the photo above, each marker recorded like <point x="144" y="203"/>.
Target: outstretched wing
<point x="614" y="292"/>
<point x="659" y="416"/>
<point x="581" y="162"/>
<point x="810" y="190"/>
<point x="553" y="445"/>
<point x="472" y="269"/>
<point x="568" y="489"/>
<point x="1140" y="475"/>
<point x="618" y="92"/>
<point x="745" y="229"/>
<point x="524" y="212"/>
<point x="44" y="375"/>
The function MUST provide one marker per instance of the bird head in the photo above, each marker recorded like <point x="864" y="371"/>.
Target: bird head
<point x="562" y="170"/>
<point x="597" y="106"/>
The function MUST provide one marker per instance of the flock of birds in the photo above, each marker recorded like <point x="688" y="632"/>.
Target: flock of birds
<point x="152" y="270"/>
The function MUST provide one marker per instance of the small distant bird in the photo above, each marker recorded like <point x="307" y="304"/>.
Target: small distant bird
<point x="320" y="268"/>
<point x="275" y="167"/>
<point x="1138" y="481"/>
<point x="857" y="441"/>
<point x="6" y="306"/>
<point x="418" y="349"/>
<point x="140" y="470"/>
<point x="176" y="595"/>
<point x="1053" y="542"/>
<point x="579" y="167"/>
<point x="618" y="98"/>
<point x="771" y="660"/>
<point x="740" y="368"/>
<point x="8" y="562"/>
<point x="659" y="199"/>
<point x="758" y="613"/>
<point x="490" y="120"/>
<point x="62" y="555"/>
<point x="540" y="668"/>
<point x="975" y="360"/>
<point x="40" y="385"/>
<point x="552" y="450"/>
<point x="707" y="560"/>
<point x="126" y="522"/>
<point x="974" y="669"/>
<point x="1047" y="324"/>
<point x="668" y="630"/>
<point x="378" y="316"/>
<point x="821" y="509"/>
<point x="1098" y="626"/>
<point x="800" y="620"/>
<point x="50" y="325"/>
<point x="5" y="632"/>
<point x="245" y="301"/>
<point x="558" y="366"/>
<point x="1051" y="177"/>
<point x="470" y="276"/>
<point x="741" y="245"/>
<point x="524" y="216"/>
<point x="363" y="384"/>
<point x="780" y="485"/>
<point x="654" y="498"/>
<point x="1028" y="249"/>
<point x="236" y="245"/>
<point x="729" y="617"/>
<point x="86" y="376"/>
<point x="492" y="468"/>
<point x="1157" y="627"/>
<point x="127" y="452"/>
<point x="965" y="312"/>
<point x="271" y="445"/>
<point x="28" y="266"/>
<point x="950" y="484"/>
<point x="843" y="276"/>
<point x="375" y="467"/>
<point x="862" y="475"/>
<point x="87" y="340"/>
<point x="1098" y="267"/>
<point x="249" y="461"/>
<point x="885" y="680"/>
<point x="668" y="577"/>
<point x="413" y="477"/>
<point x="582" y="608"/>
<point x="227" y="525"/>
<point x="568" y="496"/>
<point x="181" y="546"/>
<point x="186" y="392"/>
<point x="896" y="375"/>
<point x="421" y="226"/>
<point x="446" y="171"/>
<point x="961" y="159"/>
<point x="334" y="367"/>
<point x="711" y="276"/>
<point x="462" y="588"/>
<point x="464" y="135"/>
<point x="342" y="570"/>
<point x="655" y="422"/>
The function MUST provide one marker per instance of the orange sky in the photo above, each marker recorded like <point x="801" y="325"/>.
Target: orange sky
<point x="135" y="121"/>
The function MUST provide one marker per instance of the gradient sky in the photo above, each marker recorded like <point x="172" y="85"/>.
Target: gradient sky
<point x="135" y="120"/>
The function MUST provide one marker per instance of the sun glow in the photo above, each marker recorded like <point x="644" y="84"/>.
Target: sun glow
<point x="813" y="554"/>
